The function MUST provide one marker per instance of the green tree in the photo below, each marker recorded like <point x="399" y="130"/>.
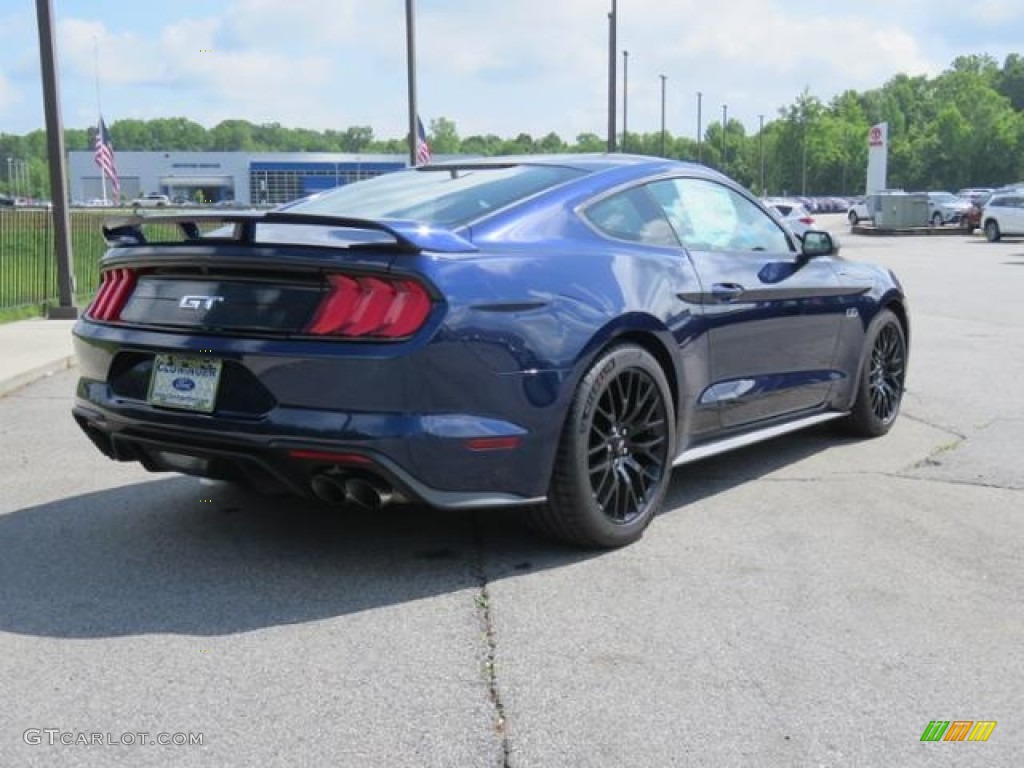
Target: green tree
<point x="443" y="137"/>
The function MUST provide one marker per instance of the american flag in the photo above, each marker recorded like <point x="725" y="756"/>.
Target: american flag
<point x="422" y="147"/>
<point x="104" y="157"/>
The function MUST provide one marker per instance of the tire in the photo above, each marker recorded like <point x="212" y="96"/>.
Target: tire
<point x="992" y="233"/>
<point x="615" y="454"/>
<point x="936" y="219"/>
<point x="882" y="377"/>
<point x="852" y="217"/>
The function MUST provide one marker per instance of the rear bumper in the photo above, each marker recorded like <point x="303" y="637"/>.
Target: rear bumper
<point x="267" y="463"/>
<point x="397" y="426"/>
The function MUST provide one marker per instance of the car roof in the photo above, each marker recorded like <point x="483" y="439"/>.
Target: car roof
<point x="584" y="161"/>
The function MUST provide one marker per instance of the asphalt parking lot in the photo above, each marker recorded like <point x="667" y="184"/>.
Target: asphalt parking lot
<point x="814" y="601"/>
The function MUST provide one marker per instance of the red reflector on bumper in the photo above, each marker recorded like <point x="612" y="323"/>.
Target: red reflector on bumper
<point x="334" y="458"/>
<point x="492" y="443"/>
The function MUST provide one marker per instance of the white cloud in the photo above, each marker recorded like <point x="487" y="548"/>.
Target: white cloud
<point x="492" y="66"/>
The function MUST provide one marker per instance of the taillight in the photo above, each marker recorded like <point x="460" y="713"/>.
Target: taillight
<point x="116" y="287"/>
<point x="374" y="307"/>
<point x="808" y="220"/>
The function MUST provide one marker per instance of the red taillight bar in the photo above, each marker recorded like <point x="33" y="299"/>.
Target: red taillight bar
<point x="371" y="307"/>
<point x="116" y="286"/>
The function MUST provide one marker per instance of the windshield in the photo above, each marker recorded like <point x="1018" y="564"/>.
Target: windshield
<point x="446" y="196"/>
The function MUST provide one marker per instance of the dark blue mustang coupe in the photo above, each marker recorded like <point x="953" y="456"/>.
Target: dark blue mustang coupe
<point x="551" y="332"/>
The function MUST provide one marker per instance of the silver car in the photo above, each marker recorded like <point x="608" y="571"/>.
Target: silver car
<point x="946" y="208"/>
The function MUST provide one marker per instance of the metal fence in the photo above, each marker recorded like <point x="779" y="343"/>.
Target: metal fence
<point x="28" y="261"/>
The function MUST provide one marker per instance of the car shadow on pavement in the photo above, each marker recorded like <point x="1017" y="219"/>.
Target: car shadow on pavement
<point x="173" y="556"/>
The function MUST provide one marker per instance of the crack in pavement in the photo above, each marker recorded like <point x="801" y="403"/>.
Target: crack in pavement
<point x="891" y="475"/>
<point x="483" y="606"/>
<point x="933" y="425"/>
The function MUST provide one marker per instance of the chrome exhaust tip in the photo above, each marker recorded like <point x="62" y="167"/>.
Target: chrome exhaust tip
<point x="329" y="487"/>
<point x="367" y="493"/>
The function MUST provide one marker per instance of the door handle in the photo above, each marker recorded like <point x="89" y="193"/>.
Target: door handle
<point x="726" y="291"/>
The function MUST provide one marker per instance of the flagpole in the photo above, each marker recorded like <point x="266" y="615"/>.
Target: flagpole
<point x="99" y="108"/>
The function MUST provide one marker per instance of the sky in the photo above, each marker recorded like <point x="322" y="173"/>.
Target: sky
<point x="491" y="66"/>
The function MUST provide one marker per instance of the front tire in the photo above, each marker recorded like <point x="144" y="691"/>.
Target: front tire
<point x="882" y="378"/>
<point x="936" y="219"/>
<point x="992" y="233"/>
<point x="853" y="218"/>
<point x="615" y="456"/>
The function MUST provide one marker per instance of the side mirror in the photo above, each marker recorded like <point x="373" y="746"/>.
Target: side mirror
<point x="818" y="243"/>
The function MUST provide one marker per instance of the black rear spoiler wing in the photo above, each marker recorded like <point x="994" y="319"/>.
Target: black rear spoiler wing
<point x="409" y="236"/>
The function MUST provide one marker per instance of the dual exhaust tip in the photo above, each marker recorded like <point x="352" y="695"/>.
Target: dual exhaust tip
<point x="335" y="487"/>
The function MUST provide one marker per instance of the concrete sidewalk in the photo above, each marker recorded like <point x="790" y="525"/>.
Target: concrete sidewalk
<point x="32" y="349"/>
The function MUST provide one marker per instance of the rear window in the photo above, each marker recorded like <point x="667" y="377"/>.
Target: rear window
<point x="444" y="196"/>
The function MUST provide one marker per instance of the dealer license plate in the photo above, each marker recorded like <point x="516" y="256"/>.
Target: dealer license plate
<point x="189" y="383"/>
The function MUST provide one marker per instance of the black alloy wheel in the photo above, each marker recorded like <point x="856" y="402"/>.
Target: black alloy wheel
<point x="882" y="378"/>
<point x="887" y="370"/>
<point x="615" y="455"/>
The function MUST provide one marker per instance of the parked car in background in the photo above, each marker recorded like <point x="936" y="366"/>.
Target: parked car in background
<point x="1003" y="214"/>
<point x="946" y="208"/>
<point x="553" y="333"/>
<point x="793" y="214"/>
<point x="858" y="211"/>
<point x="151" y="200"/>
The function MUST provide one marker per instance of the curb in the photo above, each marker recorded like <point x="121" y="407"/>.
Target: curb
<point x="944" y="231"/>
<point x="18" y="381"/>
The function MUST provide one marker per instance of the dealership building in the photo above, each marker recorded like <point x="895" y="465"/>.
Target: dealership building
<point x="252" y="178"/>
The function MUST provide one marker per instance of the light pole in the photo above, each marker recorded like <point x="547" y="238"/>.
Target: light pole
<point x="612" y="48"/>
<point x="663" y="79"/>
<point x="760" y="141"/>
<point x="410" y="56"/>
<point x="700" y="96"/>
<point x="803" y="173"/>
<point x="625" y="96"/>
<point x="725" y="121"/>
<point x="10" y="184"/>
<point x="55" y="153"/>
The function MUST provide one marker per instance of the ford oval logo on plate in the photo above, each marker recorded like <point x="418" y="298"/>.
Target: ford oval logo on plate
<point x="183" y="384"/>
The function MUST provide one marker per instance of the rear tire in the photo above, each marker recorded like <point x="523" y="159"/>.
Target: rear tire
<point x="852" y="217"/>
<point x="881" y="385"/>
<point x="615" y="455"/>
<point x="936" y="219"/>
<point x="992" y="233"/>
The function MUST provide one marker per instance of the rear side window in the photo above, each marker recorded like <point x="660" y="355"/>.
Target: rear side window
<point x="632" y="215"/>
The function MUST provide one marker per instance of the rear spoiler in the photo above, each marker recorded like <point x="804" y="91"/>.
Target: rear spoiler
<point x="410" y="236"/>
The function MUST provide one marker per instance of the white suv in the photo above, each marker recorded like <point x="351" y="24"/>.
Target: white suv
<point x="1003" y="214"/>
<point x="151" y="200"/>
